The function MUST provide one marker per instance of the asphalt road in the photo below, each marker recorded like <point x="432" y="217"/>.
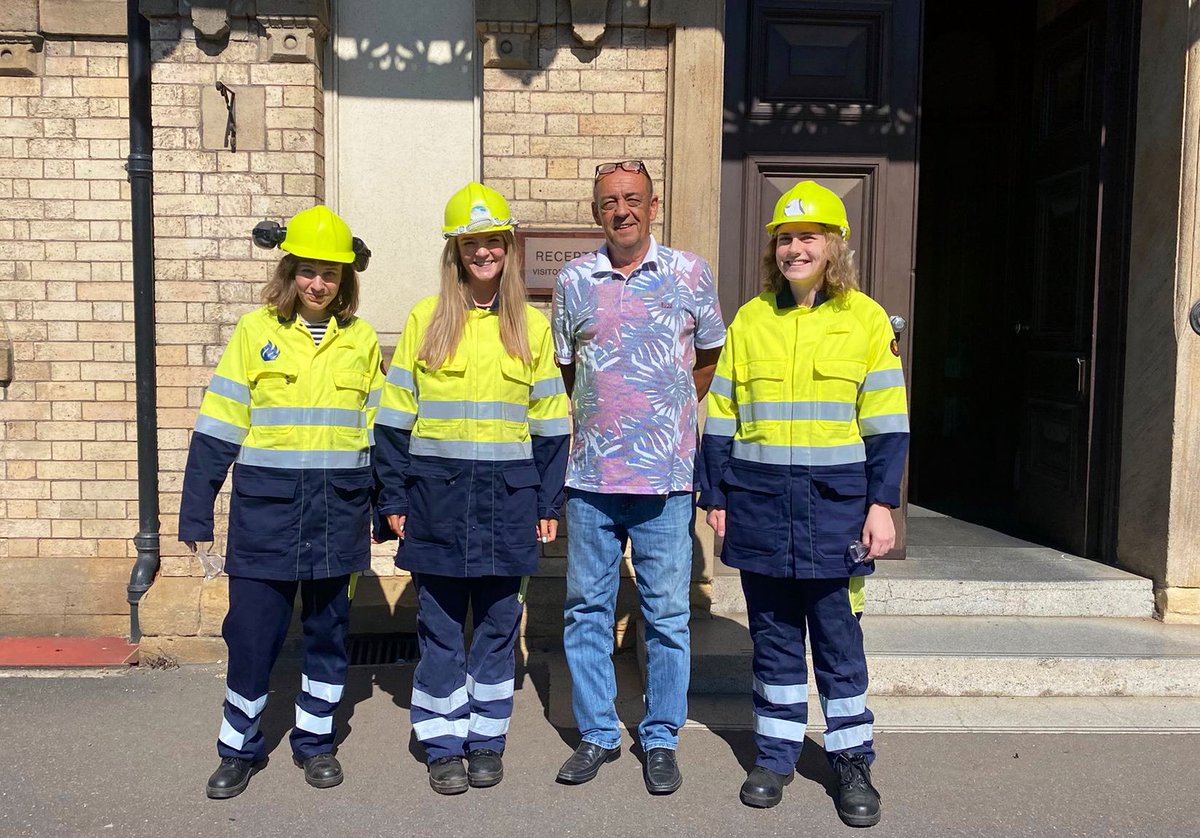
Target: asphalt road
<point x="128" y="755"/>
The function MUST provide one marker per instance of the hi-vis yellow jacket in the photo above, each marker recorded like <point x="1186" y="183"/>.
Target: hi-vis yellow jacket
<point x="298" y="421"/>
<point x="473" y="452"/>
<point x="807" y="426"/>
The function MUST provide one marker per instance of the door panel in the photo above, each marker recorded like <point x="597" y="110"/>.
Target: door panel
<point x="826" y="91"/>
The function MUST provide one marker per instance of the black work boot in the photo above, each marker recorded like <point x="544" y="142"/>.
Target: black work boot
<point x="322" y="771"/>
<point x="857" y="799"/>
<point x="231" y="777"/>
<point x="764" y="788"/>
<point x="447" y="775"/>
<point x="485" y="768"/>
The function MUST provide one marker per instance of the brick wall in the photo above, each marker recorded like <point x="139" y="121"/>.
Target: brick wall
<point x="546" y="129"/>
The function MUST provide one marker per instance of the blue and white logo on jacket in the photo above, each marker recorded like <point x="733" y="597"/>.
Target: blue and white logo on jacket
<point x="269" y="352"/>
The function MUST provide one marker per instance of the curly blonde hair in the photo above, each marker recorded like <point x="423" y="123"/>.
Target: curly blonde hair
<point x="841" y="275"/>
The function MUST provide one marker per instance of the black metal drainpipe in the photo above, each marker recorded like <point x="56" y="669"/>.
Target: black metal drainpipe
<point x="141" y="181"/>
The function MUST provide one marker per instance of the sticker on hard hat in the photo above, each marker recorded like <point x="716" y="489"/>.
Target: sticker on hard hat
<point x="794" y="207"/>
<point x="269" y="352"/>
<point x="480" y="212"/>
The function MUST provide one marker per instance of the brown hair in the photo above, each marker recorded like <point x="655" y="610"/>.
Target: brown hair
<point x="841" y="275"/>
<point x="280" y="290"/>
<point x="454" y="300"/>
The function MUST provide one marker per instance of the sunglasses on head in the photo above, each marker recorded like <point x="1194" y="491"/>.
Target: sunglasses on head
<point x="634" y="166"/>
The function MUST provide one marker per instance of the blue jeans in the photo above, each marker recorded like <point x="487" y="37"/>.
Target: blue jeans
<point x="660" y="529"/>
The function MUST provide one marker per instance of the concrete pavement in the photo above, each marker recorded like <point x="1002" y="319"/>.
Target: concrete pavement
<point x="128" y="755"/>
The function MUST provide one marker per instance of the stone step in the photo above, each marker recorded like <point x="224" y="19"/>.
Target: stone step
<point x="983" y="656"/>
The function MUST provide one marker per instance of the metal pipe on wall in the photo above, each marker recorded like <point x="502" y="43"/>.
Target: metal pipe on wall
<point x="140" y="167"/>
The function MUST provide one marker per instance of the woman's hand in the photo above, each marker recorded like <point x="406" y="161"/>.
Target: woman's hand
<point x="879" y="532"/>
<point x="547" y="530"/>
<point x="396" y="522"/>
<point x="716" y="520"/>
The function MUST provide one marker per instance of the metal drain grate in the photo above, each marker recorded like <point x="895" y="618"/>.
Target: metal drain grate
<point x="381" y="649"/>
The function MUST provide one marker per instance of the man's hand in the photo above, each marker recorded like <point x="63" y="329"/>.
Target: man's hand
<point x="716" y="520"/>
<point x="396" y="522"/>
<point x="547" y="530"/>
<point x="879" y="532"/>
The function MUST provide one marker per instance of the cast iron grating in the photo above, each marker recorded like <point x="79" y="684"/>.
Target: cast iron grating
<point x="381" y="649"/>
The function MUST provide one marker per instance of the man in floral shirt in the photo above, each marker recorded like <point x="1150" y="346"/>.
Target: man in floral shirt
<point x="637" y="331"/>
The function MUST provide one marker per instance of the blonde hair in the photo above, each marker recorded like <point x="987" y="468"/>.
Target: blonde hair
<point x="454" y="300"/>
<point x="841" y="275"/>
<point x="280" y="290"/>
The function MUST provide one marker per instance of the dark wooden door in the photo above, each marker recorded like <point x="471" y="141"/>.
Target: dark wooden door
<point x="1068" y="331"/>
<point x="828" y="91"/>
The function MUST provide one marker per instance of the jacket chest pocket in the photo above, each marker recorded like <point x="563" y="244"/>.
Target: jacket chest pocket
<point x="441" y="404"/>
<point x="516" y="378"/>
<point x="760" y="381"/>
<point x="273" y="386"/>
<point x="350" y="388"/>
<point x="837" y="380"/>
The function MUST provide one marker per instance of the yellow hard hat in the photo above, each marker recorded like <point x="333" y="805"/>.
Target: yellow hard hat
<point x="476" y="209"/>
<point x="810" y="202"/>
<point x="319" y="234"/>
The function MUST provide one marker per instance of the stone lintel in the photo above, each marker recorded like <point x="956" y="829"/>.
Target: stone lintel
<point x="19" y="16"/>
<point x="508" y="45"/>
<point x="589" y="20"/>
<point x="99" y="18"/>
<point x="20" y="55"/>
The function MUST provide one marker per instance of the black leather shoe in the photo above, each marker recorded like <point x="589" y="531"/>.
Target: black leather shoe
<point x="662" y="771"/>
<point x="857" y="799"/>
<point x="447" y="775"/>
<point x="485" y="768"/>
<point x="585" y="763"/>
<point x="322" y="771"/>
<point x="231" y="777"/>
<point x="764" y="788"/>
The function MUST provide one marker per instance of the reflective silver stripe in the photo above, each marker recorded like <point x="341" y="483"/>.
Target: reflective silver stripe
<point x="250" y="708"/>
<point x="394" y="418"/>
<point x="320" y="725"/>
<point x="882" y="380"/>
<point x="489" y="692"/>
<point x="237" y="390"/>
<point x="337" y="417"/>
<point x="855" y="705"/>
<point x="507" y="411"/>
<point x="441" y="706"/>
<point x="800" y="455"/>
<point x="304" y="459"/>
<point x="722" y="386"/>
<point x="221" y="430"/>
<point x="849" y="737"/>
<point x="782" y="693"/>
<point x="374" y="397"/>
<point x="779" y="728"/>
<point x="431" y="728"/>
<point x="892" y="423"/>
<point x="547" y="387"/>
<point x="719" y="426"/>
<point x="796" y="411"/>
<point x="463" y="449"/>
<point x="371" y="437"/>
<point x="549" y="427"/>
<point x="320" y="689"/>
<point x="232" y="738"/>
<point x="401" y="377"/>
<point x="487" y="727"/>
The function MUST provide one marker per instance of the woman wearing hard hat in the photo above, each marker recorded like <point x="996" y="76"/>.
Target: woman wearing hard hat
<point x="802" y="456"/>
<point x="471" y="459"/>
<point x="291" y="406"/>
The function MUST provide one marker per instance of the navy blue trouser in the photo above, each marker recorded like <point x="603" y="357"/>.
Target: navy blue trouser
<point x="780" y="610"/>
<point x="461" y="704"/>
<point x="254" y="630"/>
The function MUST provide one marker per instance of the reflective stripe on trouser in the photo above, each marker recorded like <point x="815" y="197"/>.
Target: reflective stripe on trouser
<point x="461" y="703"/>
<point x="260" y="611"/>
<point x="780" y="610"/>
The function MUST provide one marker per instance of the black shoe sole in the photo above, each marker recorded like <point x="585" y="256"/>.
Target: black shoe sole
<point x="860" y="821"/>
<point x="234" y="791"/>
<point x="484" y="781"/>
<point x="448" y="788"/>
<point x="324" y="783"/>
<point x="660" y="790"/>
<point x="580" y="779"/>
<point x="759" y="802"/>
